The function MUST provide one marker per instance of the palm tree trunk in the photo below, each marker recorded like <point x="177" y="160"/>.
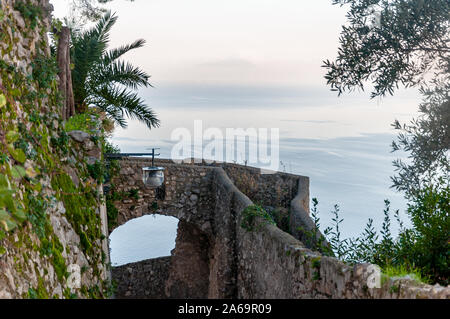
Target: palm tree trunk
<point x="65" y="76"/>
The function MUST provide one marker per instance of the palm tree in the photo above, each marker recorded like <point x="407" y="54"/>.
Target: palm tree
<point x="101" y="79"/>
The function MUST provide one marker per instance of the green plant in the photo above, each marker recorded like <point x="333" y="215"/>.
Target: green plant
<point x="281" y="217"/>
<point x="426" y="244"/>
<point x="315" y="262"/>
<point x="40" y="292"/>
<point x="313" y="238"/>
<point x="109" y="148"/>
<point x="410" y="48"/>
<point x="110" y="288"/>
<point x="134" y="193"/>
<point x="422" y="250"/>
<point x="154" y="206"/>
<point x="403" y="271"/>
<point x="254" y="217"/>
<point x="97" y="171"/>
<point x="339" y="246"/>
<point x="80" y="122"/>
<point x="61" y="142"/>
<point x="390" y="43"/>
<point x="112" y="212"/>
<point x="29" y="12"/>
<point x="101" y="79"/>
<point x="34" y="149"/>
<point x="44" y="71"/>
<point x="394" y="289"/>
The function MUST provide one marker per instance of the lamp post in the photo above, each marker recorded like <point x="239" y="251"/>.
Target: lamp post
<point x="152" y="176"/>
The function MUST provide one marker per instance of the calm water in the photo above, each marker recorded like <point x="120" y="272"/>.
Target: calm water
<point x="143" y="238"/>
<point x="343" y="145"/>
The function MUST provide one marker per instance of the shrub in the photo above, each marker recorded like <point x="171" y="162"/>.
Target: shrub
<point x="80" y="122"/>
<point x="251" y="214"/>
<point x="422" y="250"/>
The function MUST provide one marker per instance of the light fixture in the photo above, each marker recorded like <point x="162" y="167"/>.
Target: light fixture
<point x="153" y="176"/>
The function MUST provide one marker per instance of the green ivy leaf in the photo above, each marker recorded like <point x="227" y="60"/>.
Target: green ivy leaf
<point x="20" y="215"/>
<point x="10" y="224"/>
<point x="7" y="200"/>
<point x="2" y="100"/>
<point x="4" y="182"/>
<point x="37" y="187"/>
<point x="6" y="221"/>
<point x="4" y="215"/>
<point x="18" y="154"/>
<point x="18" y="171"/>
<point x="12" y="136"/>
<point x="31" y="173"/>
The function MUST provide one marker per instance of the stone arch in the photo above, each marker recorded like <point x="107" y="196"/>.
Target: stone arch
<point x="209" y="200"/>
<point x="186" y="194"/>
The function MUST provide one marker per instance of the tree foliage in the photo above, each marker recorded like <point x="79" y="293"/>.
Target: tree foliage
<point x="102" y="79"/>
<point x="89" y="9"/>
<point x="390" y="42"/>
<point x="421" y="249"/>
<point x="426" y="140"/>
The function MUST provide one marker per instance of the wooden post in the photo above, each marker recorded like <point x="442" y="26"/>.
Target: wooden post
<point x="65" y="76"/>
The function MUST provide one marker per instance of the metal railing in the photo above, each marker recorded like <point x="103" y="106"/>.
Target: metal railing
<point x="120" y="155"/>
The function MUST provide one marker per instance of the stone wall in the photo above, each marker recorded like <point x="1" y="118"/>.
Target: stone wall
<point x="53" y="240"/>
<point x="273" y="264"/>
<point x="266" y="262"/>
<point x="145" y="279"/>
<point x="191" y="193"/>
<point x="185" y="194"/>
<point x="189" y="268"/>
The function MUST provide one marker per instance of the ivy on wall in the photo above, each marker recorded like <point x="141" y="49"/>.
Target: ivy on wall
<point x="35" y="152"/>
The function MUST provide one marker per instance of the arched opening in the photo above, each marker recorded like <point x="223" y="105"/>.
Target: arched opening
<point x="143" y="238"/>
<point x="157" y="257"/>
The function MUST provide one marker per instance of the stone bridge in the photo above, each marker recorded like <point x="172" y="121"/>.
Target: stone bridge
<point x="215" y="257"/>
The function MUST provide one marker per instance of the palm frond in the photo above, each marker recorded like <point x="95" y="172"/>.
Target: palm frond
<point x="101" y="79"/>
<point x="118" y="102"/>
<point x="88" y="47"/>
<point x="116" y="53"/>
<point x="100" y="32"/>
<point x="120" y="73"/>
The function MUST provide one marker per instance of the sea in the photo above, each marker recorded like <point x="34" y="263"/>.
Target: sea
<point x="342" y="143"/>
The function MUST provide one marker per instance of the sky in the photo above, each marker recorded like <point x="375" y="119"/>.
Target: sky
<point x="257" y="63"/>
<point x="253" y="42"/>
<point x="241" y="54"/>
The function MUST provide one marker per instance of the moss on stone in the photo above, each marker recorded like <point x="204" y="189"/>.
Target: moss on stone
<point x="35" y="151"/>
<point x="40" y="292"/>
